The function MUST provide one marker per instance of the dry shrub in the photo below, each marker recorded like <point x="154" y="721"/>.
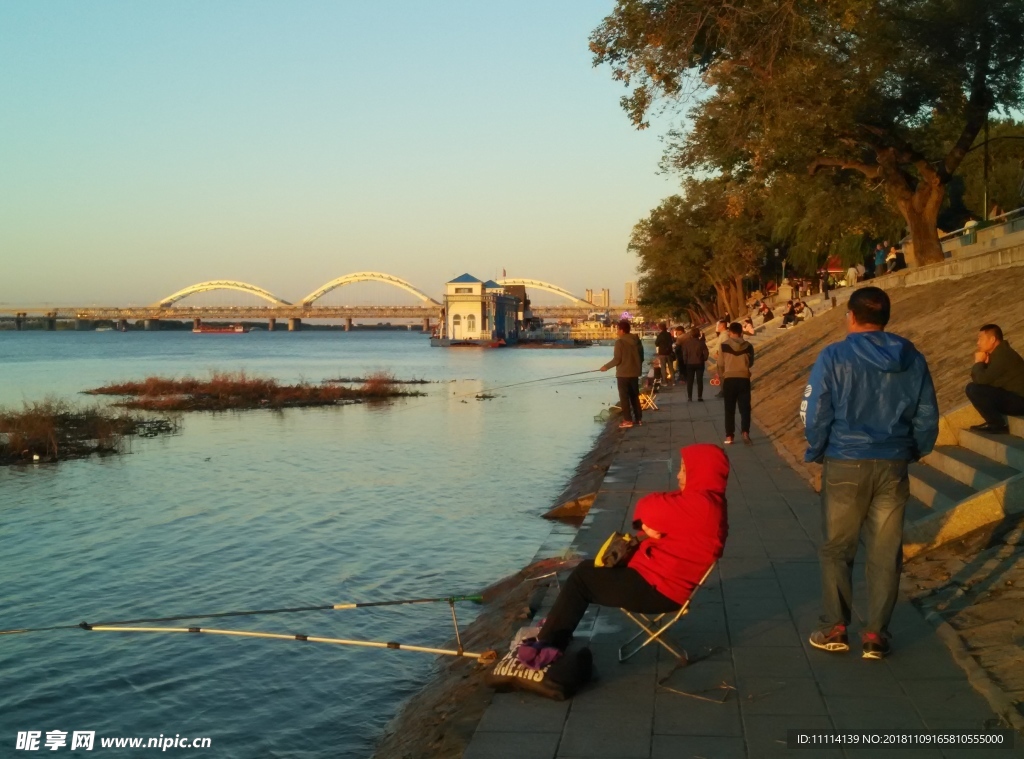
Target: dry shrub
<point x="379" y="385"/>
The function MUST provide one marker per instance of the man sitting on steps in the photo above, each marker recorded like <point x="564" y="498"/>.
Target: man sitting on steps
<point x="997" y="386"/>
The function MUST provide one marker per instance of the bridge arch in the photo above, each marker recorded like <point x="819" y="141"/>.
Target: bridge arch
<point x="546" y="286"/>
<point x="221" y="284"/>
<point x="367" y="276"/>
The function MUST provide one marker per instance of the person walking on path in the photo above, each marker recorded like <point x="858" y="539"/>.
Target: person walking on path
<point x="664" y="348"/>
<point x="851" y="276"/>
<point x="628" y="360"/>
<point x="693" y="354"/>
<point x="997" y="381"/>
<point x="735" y="358"/>
<point x="869" y="409"/>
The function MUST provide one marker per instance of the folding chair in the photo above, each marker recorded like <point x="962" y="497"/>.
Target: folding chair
<point x="647" y="402"/>
<point x="654" y="628"/>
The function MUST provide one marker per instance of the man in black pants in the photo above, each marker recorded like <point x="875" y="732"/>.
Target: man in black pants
<point x="664" y="347"/>
<point x="997" y="381"/>
<point x="628" y="360"/>
<point x="735" y="357"/>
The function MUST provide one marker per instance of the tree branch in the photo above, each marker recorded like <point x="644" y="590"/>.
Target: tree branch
<point x="871" y="171"/>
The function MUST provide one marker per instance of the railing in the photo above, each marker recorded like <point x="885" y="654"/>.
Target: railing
<point x="1010" y="222"/>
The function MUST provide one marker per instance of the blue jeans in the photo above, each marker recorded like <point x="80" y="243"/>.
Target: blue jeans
<point x="863" y="496"/>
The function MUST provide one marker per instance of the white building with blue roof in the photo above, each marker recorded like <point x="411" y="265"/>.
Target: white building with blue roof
<point x="478" y="313"/>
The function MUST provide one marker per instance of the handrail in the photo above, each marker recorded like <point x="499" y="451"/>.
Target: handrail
<point x="965" y="229"/>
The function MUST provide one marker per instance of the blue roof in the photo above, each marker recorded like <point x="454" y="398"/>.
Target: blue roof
<point x="492" y="284"/>
<point x="465" y="278"/>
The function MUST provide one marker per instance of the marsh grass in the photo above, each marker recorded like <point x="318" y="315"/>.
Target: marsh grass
<point x="237" y="391"/>
<point x="53" y="429"/>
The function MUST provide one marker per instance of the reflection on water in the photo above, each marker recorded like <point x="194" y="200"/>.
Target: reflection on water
<point x="425" y="496"/>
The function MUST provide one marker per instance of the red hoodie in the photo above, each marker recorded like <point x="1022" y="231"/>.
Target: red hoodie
<point x="693" y="523"/>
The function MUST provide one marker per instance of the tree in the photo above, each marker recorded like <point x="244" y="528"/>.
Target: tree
<point x="695" y="249"/>
<point x="894" y="92"/>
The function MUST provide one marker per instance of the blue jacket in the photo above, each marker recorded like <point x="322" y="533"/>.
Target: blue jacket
<point x="870" y="397"/>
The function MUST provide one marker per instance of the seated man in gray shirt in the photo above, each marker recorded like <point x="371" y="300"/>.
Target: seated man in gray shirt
<point x="997" y="381"/>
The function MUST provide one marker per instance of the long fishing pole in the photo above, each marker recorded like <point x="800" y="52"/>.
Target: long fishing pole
<point x="527" y="382"/>
<point x="451" y="600"/>
<point x="279" y="636"/>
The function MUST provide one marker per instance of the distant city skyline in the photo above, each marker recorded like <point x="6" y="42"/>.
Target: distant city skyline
<point x="149" y="147"/>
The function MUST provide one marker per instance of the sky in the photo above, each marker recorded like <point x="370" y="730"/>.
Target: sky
<point x="145" y="147"/>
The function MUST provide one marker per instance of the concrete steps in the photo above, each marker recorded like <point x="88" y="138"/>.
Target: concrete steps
<point x="969" y="467"/>
<point x="971" y="480"/>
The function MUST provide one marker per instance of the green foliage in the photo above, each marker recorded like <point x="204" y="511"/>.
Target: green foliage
<point x="891" y="94"/>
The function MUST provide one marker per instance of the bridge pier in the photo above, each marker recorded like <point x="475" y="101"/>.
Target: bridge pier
<point x="294" y="324"/>
<point x="426" y="324"/>
<point x="197" y="323"/>
<point x="51" y="322"/>
<point x="151" y="325"/>
<point x="122" y="325"/>
<point x="348" y="324"/>
<point x="271" y="324"/>
<point x="19" y="321"/>
<point x="83" y="325"/>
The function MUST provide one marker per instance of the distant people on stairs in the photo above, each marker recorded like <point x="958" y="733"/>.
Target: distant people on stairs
<point x="766" y="313"/>
<point x="628" y="360"/>
<point x="880" y="258"/>
<point x="735" y="358"/>
<point x="788" y="316"/>
<point x="997" y="381"/>
<point x="663" y="346"/>
<point x="869" y="410"/>
<point x="693" y="353"/>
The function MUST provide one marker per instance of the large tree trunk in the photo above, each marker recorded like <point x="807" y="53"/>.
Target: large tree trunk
<point x="921" y="210"/>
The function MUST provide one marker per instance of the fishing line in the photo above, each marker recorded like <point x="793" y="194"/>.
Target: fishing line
<point x="451" y="600"/>
<point x="527" y="382"/>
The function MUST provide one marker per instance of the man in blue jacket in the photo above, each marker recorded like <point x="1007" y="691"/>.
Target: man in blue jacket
<point x="868" y="411"/>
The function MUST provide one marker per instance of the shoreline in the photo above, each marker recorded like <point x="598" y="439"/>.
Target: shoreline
<point x="439" y="720"/>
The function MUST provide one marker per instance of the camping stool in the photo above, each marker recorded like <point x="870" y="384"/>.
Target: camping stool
<point x="647" y="397"/>
<point x="653" y="627"/>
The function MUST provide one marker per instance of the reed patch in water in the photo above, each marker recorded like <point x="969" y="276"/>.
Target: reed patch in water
<point x="237" y="391"/>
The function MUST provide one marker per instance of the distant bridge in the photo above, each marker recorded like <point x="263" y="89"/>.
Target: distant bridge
<point x="171" y="307"/>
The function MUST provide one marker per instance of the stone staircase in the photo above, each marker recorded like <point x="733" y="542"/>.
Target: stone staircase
<point x="970" y="480"/>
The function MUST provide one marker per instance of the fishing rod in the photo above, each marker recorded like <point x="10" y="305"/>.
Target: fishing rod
<point x="460" y="651"/>
<point x="450" y="600"/>
<point x="526" y="382"/>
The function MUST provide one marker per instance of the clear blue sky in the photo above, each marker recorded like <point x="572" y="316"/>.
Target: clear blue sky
<point x="146" y="146"/>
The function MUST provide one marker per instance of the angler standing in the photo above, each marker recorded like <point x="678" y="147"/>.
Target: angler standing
<point x="628" y="360"/>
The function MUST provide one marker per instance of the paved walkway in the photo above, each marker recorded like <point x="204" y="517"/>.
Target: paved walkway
<point x="753" y="618"/>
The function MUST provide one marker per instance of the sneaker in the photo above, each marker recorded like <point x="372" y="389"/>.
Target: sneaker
<point x="746" y="439"/>
<point x="625" y="425"/>
<point x="728" y="440"/>
<point x="700" y="400"/>
<point x="874" y="646"/>
<point x="834" y="639"/>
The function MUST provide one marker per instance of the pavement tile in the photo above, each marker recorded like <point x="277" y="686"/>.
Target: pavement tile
<point x="609" y="732"/>
<point x="765" y="661"/>
<point x="512" y="746"/>
<point x="697" y="747"/>
<point x="748" y="631"/>
<point x="767" y="735"/>
<point x="676" y="714"/>
<point x="766" y="587"/>
<point x="782" y="696"/>
<point x="524" y="712"/>
<point x="874" y="712"/>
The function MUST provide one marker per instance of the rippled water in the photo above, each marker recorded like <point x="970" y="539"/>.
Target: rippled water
<point x="425" y="496"/>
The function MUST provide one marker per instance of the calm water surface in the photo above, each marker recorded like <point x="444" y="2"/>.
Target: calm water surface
<point x="425" y="496"/>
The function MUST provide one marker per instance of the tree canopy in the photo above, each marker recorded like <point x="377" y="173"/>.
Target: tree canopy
<point x="819" y="100"/>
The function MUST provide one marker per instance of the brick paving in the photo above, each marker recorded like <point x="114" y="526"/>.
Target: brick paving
<point x="749" y="623"/>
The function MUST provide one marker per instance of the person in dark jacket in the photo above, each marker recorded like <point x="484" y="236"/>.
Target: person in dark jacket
<point x="869" y="409"/>
<point x="664" y="348"/>
<point x="693" y="354"/>
<point x="997" y="381"/>
<point x="686" y="532"/>
<point x="628" y="360"/>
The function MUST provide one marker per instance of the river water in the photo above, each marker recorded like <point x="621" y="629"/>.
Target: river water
<point x="427" y="496"/>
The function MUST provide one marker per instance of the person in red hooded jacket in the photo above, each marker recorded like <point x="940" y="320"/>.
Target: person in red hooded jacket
<point x="686" y="531"/>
